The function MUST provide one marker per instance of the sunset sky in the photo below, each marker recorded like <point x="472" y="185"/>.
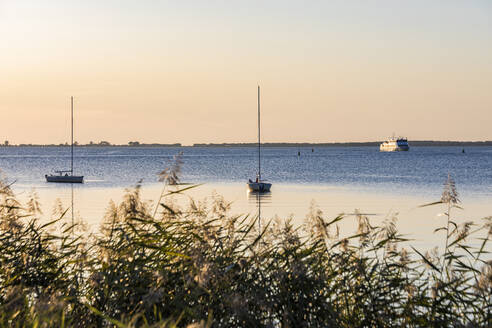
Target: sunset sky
<point x="187" y="71"/>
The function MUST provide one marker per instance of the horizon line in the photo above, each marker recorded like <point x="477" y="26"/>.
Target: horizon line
<point x="205" y="144"/>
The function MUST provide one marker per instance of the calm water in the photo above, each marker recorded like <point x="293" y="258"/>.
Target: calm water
<point x="339" y="180"/>
<point x="421" y="171"/>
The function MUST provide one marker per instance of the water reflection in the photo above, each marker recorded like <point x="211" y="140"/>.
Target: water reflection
<point x="67" y="200"/>
<point x="72" y="207"/>
<point x="258" y="198"/>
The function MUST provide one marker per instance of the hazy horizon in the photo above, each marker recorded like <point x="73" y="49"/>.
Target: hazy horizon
<point x="253" y="143"/>
<point x="186" y="72"/>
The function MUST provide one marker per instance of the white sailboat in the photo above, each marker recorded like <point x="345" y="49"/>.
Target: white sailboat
<point x="259" y="185"/>
<point x="63" y="176"/>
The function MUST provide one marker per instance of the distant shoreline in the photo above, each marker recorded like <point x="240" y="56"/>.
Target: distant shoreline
<point x="420" y="143"/>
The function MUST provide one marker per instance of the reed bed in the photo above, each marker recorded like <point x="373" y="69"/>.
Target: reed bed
<point x="200" y="266"/>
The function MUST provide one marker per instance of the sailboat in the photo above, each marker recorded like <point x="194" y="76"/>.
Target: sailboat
<point x="63" y="175"/>
<point x="259" y="185"/>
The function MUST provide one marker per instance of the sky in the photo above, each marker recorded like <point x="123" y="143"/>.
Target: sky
<point x="187" y="71"/>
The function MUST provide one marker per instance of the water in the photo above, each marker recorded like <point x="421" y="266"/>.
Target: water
<point x="421" y="171"/>
<point x="338" y="179"/>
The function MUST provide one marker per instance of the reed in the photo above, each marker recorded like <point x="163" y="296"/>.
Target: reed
<point x="196" y="265"/>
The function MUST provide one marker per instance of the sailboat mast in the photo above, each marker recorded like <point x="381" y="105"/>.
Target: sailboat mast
<point x="259" y="143"/>
<point x="71" y="161"/>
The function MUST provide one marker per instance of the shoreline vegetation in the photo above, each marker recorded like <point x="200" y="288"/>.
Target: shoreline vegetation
<point x="167" y="265"/>
<point x="418" y="143"/>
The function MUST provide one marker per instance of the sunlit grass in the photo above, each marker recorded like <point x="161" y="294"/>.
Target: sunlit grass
<point x="198" y="265"/>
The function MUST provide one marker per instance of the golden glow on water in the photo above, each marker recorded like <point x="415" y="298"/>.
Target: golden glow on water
<point x="288" y="201"/>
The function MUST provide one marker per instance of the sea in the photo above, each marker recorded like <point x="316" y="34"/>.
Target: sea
<point x="335" y="180"/>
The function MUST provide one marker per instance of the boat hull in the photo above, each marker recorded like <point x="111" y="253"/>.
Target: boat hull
<point x="259" y="186"/>
<point x="65" y="178"/>
<point x="398" y="148"/>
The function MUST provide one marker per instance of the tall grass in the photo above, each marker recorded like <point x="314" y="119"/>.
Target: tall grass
<point x="197" y="265"/>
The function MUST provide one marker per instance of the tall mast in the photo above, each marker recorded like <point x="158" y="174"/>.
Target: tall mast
<point x="71" y="162"/>
<point x="259" y="143"/>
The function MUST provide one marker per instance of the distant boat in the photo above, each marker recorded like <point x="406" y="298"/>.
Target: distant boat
<point x="259" y="185"/>
<point x="63" y="176"/>
<point x="395" y="144"/>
